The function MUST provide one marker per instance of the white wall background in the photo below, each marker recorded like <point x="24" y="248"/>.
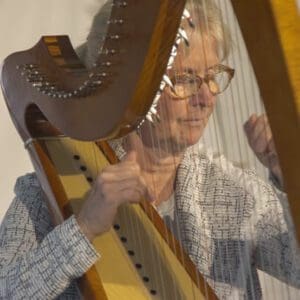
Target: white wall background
<point x="21" y="25"/>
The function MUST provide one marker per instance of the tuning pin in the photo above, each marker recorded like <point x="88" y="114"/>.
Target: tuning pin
<point x="114" y="37"/>
<point x="106" y="64"/>
<point x="123" y="4"/>
<point x="116" y="22"/>
<point x="97" y="82"/>
<point x="167" y="80"/>
<point x="187" y="16"/>
<point x="37" y="84"/>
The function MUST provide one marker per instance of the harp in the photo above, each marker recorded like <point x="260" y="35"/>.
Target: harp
<point x="69" y="83"/>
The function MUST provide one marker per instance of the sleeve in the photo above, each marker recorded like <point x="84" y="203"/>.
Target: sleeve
<point x="38" y="261"/>
<point x="277" y="251"/>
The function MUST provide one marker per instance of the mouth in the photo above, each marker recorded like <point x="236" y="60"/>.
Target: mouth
<point x="192" y="121"/>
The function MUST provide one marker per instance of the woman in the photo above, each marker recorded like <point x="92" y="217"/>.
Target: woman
<point x="162" y="164"/>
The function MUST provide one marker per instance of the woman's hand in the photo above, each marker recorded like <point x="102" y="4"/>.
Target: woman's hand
<point x="261" y="141"/>
<point x="116" y="184"/>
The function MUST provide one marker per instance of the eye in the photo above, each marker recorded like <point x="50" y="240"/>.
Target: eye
<point x="185" y="79"/>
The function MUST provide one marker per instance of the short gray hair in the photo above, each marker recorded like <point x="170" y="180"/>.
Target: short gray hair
<point x="208" y="20"/>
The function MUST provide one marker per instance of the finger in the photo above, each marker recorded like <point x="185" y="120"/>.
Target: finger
<point x="122" y="167"/>
<point x="248" y="125"/>
<point x="258" y="129"/>
<point x="262" y="141"/>
<point x="130" y="196"/>
<point x="261" y="126"/>
<point x="130" y="156"/>
<point x="135" y="194"/>
<point x="119" y="174"/>
<point x="271" y="145"/>
<point x="148" y="194"/>
<point x="138" y="184"/>
<point x="117" y="187"/>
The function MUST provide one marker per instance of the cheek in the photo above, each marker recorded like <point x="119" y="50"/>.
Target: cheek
<point x="171" y="110"/>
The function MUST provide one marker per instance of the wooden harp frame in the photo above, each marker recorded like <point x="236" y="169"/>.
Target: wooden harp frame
<point x="271" y="29"/>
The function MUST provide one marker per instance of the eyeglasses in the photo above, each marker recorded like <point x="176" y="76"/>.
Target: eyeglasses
<point x="187" y="84"/>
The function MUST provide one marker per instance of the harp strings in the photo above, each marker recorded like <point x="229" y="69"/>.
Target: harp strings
<point x="241" y="98"/>
<point x="237" y="108"/>
<point x="202" y="25"/>
<point x="153" y="189"/>
<point x="161" y="147"/>
<point x="234" y="110"/>
<point x="170" y="145"/>
<point x="219" y="141"/>
<point x="239" y="103"/>
<point x="244" y="105"/>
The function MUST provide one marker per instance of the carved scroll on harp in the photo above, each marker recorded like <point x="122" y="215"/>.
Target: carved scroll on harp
<point x="57" y="97"/>
<point x="61" y="89"/>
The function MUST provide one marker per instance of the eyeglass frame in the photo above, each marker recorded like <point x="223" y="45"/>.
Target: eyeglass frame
<point x="205" y="79"/>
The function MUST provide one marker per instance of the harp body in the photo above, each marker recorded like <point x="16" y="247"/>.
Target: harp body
<point x="138" y="251"/>
<point x="39" y="117"/>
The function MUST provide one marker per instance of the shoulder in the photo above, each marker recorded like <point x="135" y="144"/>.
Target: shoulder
<point x="30" y="203"/>
<point x="27" y="219"/>
<point x="210" y="167"/>
<point x="26" y="184"/>
<point x="29" y="194"/>
<point x="28" y="191"/>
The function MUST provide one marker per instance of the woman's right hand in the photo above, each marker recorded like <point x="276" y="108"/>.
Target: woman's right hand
<point x="116" y="184"/>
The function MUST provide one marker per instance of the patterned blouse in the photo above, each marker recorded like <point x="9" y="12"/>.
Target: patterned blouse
<point x="230" y="222"/>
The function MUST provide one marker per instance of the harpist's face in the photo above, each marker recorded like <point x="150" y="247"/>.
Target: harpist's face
<point x="183" y="120"/>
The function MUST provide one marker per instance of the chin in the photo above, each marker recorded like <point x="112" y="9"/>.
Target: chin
<point x="191" y="142"/>
<point x="193" y="134"/>
<point x="191" y="139"/>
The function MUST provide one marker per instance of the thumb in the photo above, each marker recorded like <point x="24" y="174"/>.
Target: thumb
<point x="131" y="156"/>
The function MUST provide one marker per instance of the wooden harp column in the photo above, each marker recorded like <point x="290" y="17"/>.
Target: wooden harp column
<point x="271" y="29"/>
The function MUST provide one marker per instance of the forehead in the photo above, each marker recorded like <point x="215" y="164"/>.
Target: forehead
<point x="201" y="54"/>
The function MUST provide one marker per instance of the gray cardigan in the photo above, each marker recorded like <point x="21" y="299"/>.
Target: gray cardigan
<point x="231" y="223"/>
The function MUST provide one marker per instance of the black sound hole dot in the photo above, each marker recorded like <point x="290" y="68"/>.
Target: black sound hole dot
<point x="77" y="157"/>
<point x="83" y="168"/>
<point x="138" y="266"/>
<point x="146" y="279"/>
<point x="123" y="239"/>
<point x="89" y="179"/>
<point x="153" y="292"/>
<point x="116" y="226"/>
<point x="131" y="253"/>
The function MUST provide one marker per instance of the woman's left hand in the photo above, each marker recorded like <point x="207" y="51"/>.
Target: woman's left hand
<point x="261" y="141"/>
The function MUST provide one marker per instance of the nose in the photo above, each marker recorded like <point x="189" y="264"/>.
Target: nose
<point x="203" y="98"/>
